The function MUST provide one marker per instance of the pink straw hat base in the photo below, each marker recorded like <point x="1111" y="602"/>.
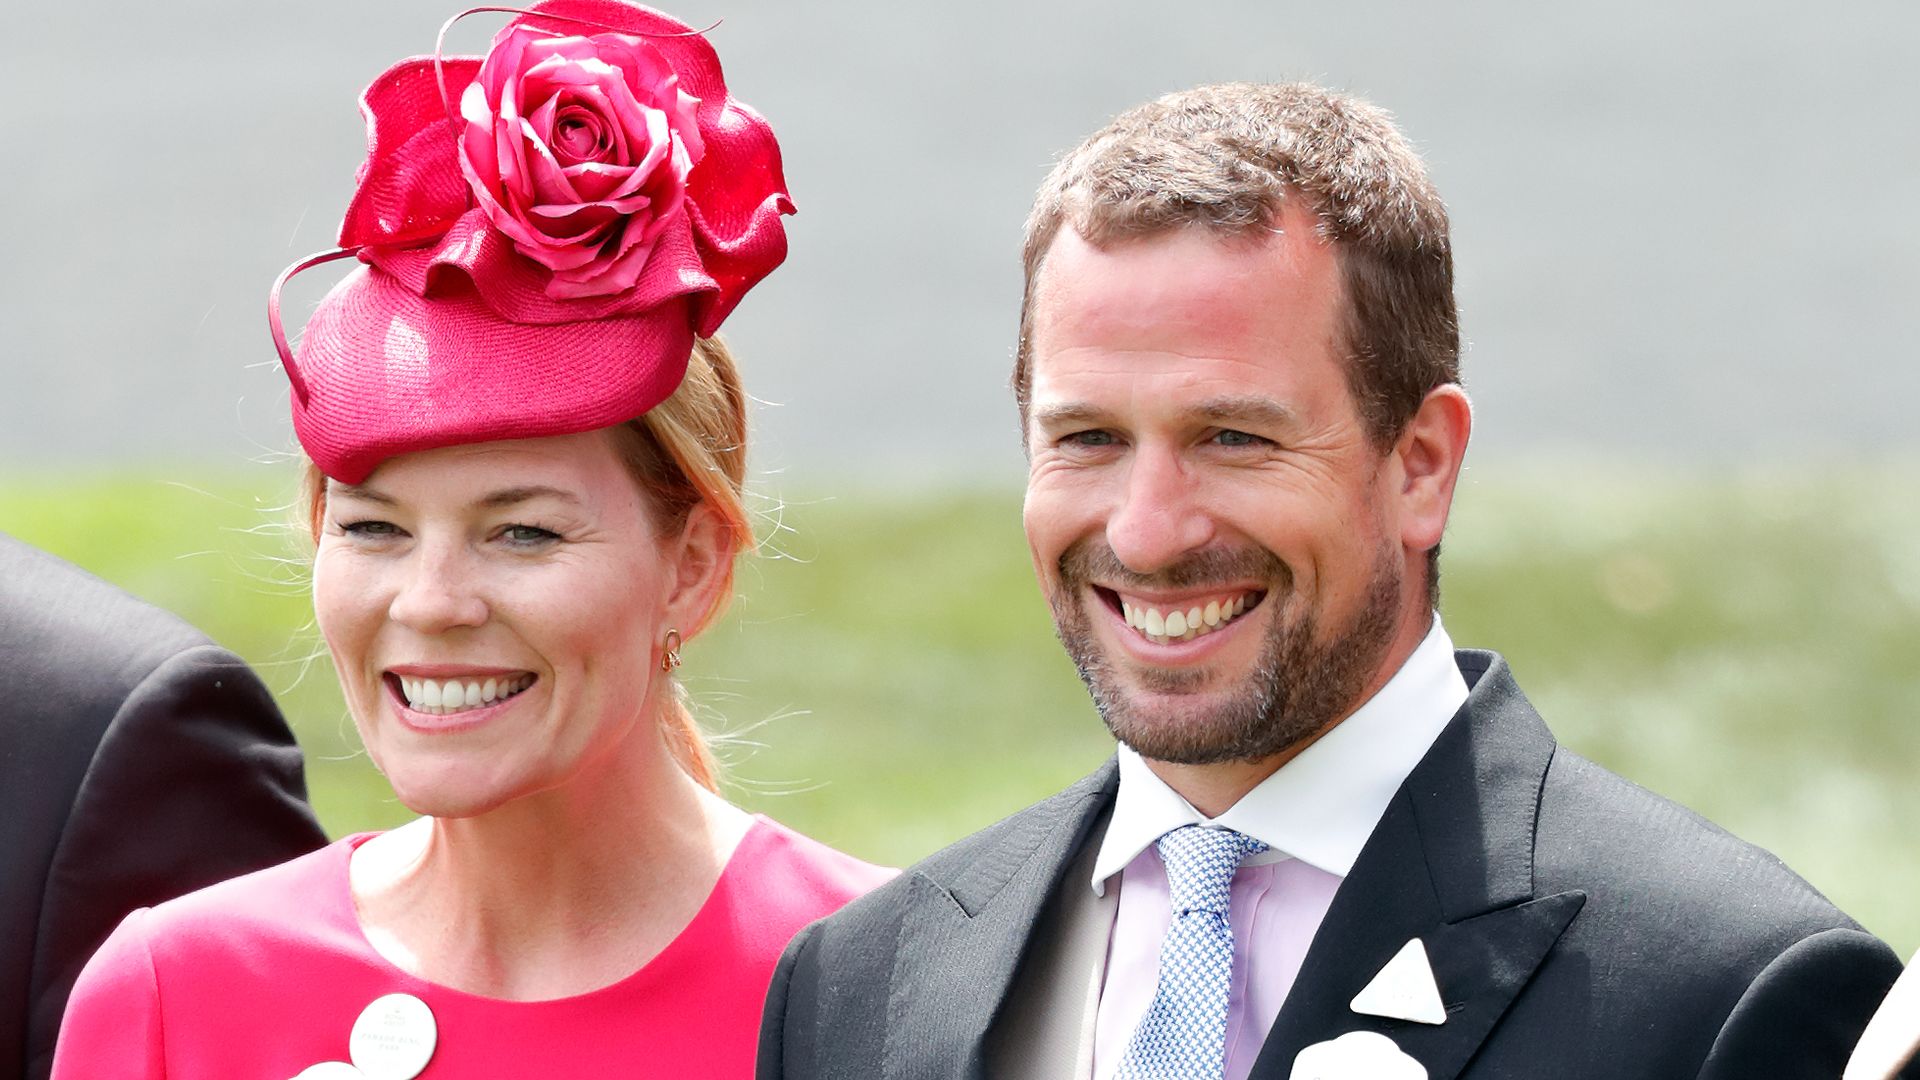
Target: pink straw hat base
<point x="387" y="371"/>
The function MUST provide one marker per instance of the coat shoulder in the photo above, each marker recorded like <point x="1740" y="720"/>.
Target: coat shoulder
<point x="967" y="872"/>
<point x="1688" y="935"/>
<point x="52" y="612"/>
<point x="1653" y="860"/>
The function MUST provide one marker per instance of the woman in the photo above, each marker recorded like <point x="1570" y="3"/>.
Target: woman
<point x="507" y="564"/>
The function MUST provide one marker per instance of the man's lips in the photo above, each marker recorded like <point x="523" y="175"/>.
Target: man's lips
<point x="1168" y="618"/>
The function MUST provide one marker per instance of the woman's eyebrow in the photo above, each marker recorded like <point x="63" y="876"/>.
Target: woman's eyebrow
<point x="513" y="495"/>
<point x="359" y="491"/>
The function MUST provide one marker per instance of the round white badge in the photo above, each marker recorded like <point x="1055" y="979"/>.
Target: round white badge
<point x="330" y="1070"/>
<point x="394" y="1038"/>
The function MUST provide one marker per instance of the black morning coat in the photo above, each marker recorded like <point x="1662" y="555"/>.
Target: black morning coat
<point x="1578" y="927"/>
<point x="138" y="761"/>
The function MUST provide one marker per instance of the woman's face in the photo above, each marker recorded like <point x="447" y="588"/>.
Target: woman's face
<point x="496" y="611"/>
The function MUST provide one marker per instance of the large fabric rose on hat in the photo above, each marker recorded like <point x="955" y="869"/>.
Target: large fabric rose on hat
<point x="579" y="149"/>
<point x="597" y="167"/>
<point x="546" y="229"/>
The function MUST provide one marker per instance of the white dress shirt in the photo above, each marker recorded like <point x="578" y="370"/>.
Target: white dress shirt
<point x="1314" y="814"/>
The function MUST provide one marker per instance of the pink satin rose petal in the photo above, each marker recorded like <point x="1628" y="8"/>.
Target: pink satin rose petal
<point x="686" y="110"/>
<point x="616" y="277"/>
<point x="582" y="137"/>
<point x="636" y="116"/>
<point x="591" y="101"/>
<point x="580" y="45"/>
<point x="613" y="104"/>
<point x="547" y="181"/>
<point x="601" y="183"/>
<point x="476" y="137"/>
<point x="509" y="163"/>
<point x="687" y="53"/>
<point x="554" y="72"/>
<point x="544" y="121"/>
<point x="490" y="205"/>
<point x="502" y="85"/>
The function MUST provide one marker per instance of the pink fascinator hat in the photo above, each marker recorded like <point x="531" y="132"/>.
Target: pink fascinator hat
<point x="544" y="232"/>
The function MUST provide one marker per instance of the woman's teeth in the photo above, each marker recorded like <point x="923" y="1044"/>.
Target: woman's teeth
<point x="442" y="696"/>
<point x="1162" y="627"/>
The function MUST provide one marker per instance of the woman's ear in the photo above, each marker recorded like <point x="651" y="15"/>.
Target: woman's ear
<point x="702" y="558"/>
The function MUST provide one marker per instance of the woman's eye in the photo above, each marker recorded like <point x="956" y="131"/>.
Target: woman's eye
<point x="528" y="535"/>
<point x="370" y="530"/>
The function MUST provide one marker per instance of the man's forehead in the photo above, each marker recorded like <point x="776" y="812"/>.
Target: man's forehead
<point x="1160" y="290"/>
<point x="1186" y="318"/>
<point x="1165" y="280"/>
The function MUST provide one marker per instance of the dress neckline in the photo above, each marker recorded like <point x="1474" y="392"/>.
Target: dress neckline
<point x="712" y="909"/>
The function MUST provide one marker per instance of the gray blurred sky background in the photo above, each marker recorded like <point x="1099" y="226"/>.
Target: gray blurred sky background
<point x="1685" y="232"/>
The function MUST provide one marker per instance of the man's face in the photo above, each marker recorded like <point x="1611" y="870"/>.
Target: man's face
<point x="1214" y="531"/>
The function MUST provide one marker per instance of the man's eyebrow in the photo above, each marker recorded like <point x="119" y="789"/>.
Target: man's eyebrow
<point x="1067" y="413"/>
<point x="1245" y="410"/>
<point x="1252" y="411"/>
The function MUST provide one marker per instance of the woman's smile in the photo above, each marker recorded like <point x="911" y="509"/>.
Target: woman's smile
<point x="439" y="699"/>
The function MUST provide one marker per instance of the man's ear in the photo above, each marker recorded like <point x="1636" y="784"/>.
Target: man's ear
<point x="702" y="556"/>
<point x="1429" y="453"/>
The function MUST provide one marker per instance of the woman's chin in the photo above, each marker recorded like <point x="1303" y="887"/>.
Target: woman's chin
<point x="450" y="793"/>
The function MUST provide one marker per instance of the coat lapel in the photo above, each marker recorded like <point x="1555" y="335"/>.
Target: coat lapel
<point x="967" y="929"/>
<point x="1451" y="863"/>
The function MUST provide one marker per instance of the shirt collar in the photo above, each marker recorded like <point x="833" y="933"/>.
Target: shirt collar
<point x="1321" y="806"/>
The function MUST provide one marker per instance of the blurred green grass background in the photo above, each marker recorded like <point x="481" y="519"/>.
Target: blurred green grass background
<point x="1742" y="641"/>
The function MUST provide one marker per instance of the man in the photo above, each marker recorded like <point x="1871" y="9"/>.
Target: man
<point x="138" y="761"/>
<point x="1330" y="846"/>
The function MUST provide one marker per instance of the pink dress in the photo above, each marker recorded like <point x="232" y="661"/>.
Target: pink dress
<point x="260" y="977"/>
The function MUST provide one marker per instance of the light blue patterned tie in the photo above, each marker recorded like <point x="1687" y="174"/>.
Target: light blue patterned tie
<point x="1184" y="1034"/>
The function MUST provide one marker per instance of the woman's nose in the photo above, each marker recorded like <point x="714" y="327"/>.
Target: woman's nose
<point x="438" y="592"/>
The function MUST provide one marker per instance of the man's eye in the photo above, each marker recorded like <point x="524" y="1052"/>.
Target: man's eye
<point x="1090" y="438"/>
<point x="1230" y="437"/>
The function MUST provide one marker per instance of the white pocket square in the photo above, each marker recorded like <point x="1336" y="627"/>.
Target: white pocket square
<point x="1357" y="1055"/>
<point x="1404" y="990"/>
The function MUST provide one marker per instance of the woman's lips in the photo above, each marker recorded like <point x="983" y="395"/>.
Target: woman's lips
<point x="454" y="702"/>
<point x="458" y="695"/>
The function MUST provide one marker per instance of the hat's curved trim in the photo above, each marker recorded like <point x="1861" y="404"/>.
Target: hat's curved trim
<point x="273" y="314"/>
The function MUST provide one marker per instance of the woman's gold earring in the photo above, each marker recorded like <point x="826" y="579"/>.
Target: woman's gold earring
<point x="671" y="659"/>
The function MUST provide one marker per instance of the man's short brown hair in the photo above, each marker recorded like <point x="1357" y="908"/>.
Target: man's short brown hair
<point x="1225" y="158"/>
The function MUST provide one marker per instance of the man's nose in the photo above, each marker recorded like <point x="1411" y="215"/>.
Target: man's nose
<point x="1160" y="517"/>
<point x="438" y="590"/>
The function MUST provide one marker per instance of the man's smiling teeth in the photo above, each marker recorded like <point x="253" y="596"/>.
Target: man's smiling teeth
<point x="1162" y="627"/>
<point x="459" y="695"/>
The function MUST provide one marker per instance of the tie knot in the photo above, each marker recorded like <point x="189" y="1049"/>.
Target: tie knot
<point x="1200" y="865"/>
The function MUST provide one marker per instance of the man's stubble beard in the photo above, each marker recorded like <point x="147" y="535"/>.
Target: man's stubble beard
<point x="1300" y="684"/>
